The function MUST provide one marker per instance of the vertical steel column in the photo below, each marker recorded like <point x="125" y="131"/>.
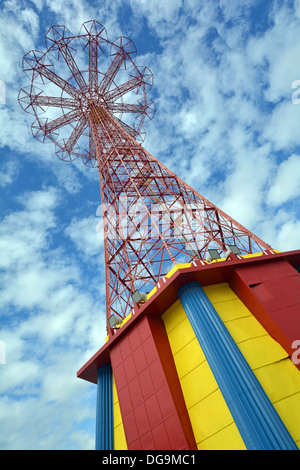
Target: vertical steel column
<point x="258" y="422"/>
<point x="104" y="410"/>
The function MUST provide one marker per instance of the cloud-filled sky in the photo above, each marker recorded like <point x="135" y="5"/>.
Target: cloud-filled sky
<point x="227" y="94"/>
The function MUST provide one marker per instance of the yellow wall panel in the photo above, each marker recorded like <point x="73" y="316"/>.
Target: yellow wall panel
<point x="195" y="391"/>
<point x="195" y="355"/>
<point x="227" y="439"/>
<point x="219" y="293"/>
<point x="117" y="414"/>
<point x="119" y="434"/>
<point x="245" y="328"/>
<point x="231" y="309"/>
<point x="171" y="321"/>
<point x="181" y="335"/>
<point x="289" y="411"/>
<point x="270" y="377"/>
<point x="261" y="351"/>
<point x="206" y="406"/>
<point x="210" y="417"/>
<point x="119" y="437"/>
<point x="270" y="363"/>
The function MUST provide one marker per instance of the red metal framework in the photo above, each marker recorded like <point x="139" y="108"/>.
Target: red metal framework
<point x="152" y="219"/>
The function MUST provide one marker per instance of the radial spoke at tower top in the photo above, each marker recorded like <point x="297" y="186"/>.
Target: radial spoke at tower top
<point x="118" y="92"/>
<point x="93" y="64"/>
<point x="108" y="78"/>
<point x="60" y="82"/>
<point x="61" y="121"/>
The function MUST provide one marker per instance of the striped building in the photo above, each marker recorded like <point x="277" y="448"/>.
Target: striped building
<point x="210" y="361"/>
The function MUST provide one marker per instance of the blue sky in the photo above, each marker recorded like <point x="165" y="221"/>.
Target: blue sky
<point x="227" y="94"/>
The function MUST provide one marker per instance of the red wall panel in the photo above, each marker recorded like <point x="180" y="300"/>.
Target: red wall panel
<point x="151" y="402"/>
<point x="272" y="294"/>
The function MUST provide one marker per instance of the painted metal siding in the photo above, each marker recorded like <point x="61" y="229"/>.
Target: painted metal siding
<point x="104" y="410"/>
<point x="256" y="418"/>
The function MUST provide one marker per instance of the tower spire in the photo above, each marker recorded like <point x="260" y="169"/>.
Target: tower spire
<point x="152" y="219"/>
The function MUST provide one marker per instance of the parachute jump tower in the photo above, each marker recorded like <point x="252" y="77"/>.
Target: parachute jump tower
<point x="203" y="317"/>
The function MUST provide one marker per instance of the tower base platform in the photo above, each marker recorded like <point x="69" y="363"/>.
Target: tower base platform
<point x="211" y="360"/>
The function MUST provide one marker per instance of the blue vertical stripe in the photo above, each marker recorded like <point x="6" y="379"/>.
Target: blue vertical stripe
<point x="258" y="422"/>
<point x="104" y="410"/>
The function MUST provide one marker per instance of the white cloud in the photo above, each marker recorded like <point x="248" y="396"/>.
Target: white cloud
<point x="83" y="233"/>
<point x="286" y="183"/>
<point x="283" y="129"/>
<point x="281" y="228"/>
<point x="19" y="28"/>
<point x="48" y="329"/>
<point x="288" y="235"/>
<point x="9" y="173"/>
<point x="245" y="183"/>
<point x="276" y="51"/>
<point x="161" y="16"/>
<point x="24" y="233"/>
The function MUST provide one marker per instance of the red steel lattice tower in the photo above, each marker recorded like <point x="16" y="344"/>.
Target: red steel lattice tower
<point x="93" y="107"/>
